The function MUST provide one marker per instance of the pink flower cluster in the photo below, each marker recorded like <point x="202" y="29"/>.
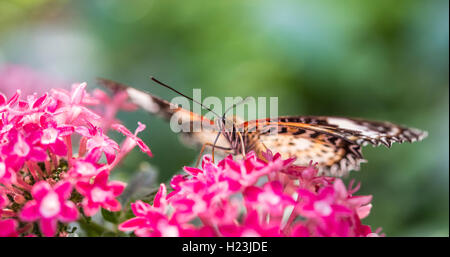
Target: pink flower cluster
<point x="43" y="184"/>
<point x="252" y="197"/>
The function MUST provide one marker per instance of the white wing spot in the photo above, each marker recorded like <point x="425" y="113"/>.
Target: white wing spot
<point x="144" y="100"/>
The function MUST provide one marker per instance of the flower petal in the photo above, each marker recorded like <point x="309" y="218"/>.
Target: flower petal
<point x="63" y="189"/>
<point x="69" y="212"/>
<point x="40" y="190"/>
<point x="133" y="224"/>
<point x="48" y="227"/>
<point x="117" y="187"/>
<point x="30" y="211"/>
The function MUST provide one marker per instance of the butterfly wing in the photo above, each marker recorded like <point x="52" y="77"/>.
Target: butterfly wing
<point x="334" y="154"/>
<point x="334" y="143"/>
<point x="362" y="131"/>
<point x="195" y="129"/>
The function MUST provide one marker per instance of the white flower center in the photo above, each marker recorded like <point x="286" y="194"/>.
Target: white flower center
<point x="98" y="195"/>
<point x="2" y="169"/>
<point x="50" y="205"/>
<point x="272" y="199"/>
<point x="98" y="141"/>
<point x="86" y="169"/>
<point x="49" y="136"/>
<point x="250" y="233"/>
<point x="323" y="208"/>
<point x="169" y="231"/>
<point x="21" y="148"/>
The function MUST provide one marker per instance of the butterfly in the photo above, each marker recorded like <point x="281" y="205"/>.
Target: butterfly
<point x="334" y="143"/>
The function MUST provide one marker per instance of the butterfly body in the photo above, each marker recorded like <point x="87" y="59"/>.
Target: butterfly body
<point x="333" y="142"/>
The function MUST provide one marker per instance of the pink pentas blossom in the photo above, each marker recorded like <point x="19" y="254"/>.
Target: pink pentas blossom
<point x="52" y="134"/>
<point x="72" y="107"/>
<point x="321" y="204"/>
<point x="49" y="206"/>
<point x="19" y="148"/>
<point x="148" y="217"/>
<point x="269" y="199"/>
<point x="111" y="105"/>
<point x="151" y="219"/>
<point x="361" y="204"/>
<point x="85" y="167"/>
<point x="308" y="176"/>
<point x="5" y="173"/>
<point x="132" y="139"/>
<point x="157" y="220"/>
<point x="98" y="141"/>
<point x="100" y="193"/>
<point x="252" y="226"/>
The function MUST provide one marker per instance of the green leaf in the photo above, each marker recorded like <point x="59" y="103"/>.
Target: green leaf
<point x="109" y="216"/>
<point x="109" y="234"/>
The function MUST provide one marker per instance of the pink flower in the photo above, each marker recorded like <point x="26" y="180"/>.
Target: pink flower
<point x="112" y="105"/>
<point x="177" y="184"/>
<point x="119" y="100"/>
<point x="87" y="166"/>
<point x="97" y="141"/>
<point x="335" y="211"/>
<point x="157" y="221"/>
<point x="5" y="173"/>
<point x="270" y="199"/>
<point x="49" y="206"/>
<point x="132" y="139"/>
<point x="308" y="176"/>
<point x="100" y="193"/>
<point x="249" y="170"/>
<point x="322" y="204"/>
<point x="52" y="135"/>
<point x="151" y="220"/>
<point x="72" y="108"/>
<point x="2" y="99"/>
<point x="20" y="149"/>
<point x="253" y="226"/>
<point x="83" y="168"/>
<point x="8" y="228"/>
<point x="361" y="204"/>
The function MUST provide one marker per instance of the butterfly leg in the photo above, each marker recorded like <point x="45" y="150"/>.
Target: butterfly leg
<point x="242" y="144"/>
<point x="203" y="149"/>
<point x="265" y="147"/>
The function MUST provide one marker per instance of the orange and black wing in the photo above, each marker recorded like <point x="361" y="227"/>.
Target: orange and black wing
<point x="334" y="143"/>
<point x="196" y="130"/>
<point x="363" y="131"/>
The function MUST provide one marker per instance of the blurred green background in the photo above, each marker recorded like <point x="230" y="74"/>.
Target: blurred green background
<point x="385" y="60"/>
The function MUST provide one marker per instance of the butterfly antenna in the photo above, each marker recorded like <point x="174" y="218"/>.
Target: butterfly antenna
<point x="234" y="106"/>
<point x="188" y="97"/>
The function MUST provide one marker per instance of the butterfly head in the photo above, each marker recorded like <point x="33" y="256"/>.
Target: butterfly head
<point x="228" y="127"/>
<point x="228" y="124"/>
